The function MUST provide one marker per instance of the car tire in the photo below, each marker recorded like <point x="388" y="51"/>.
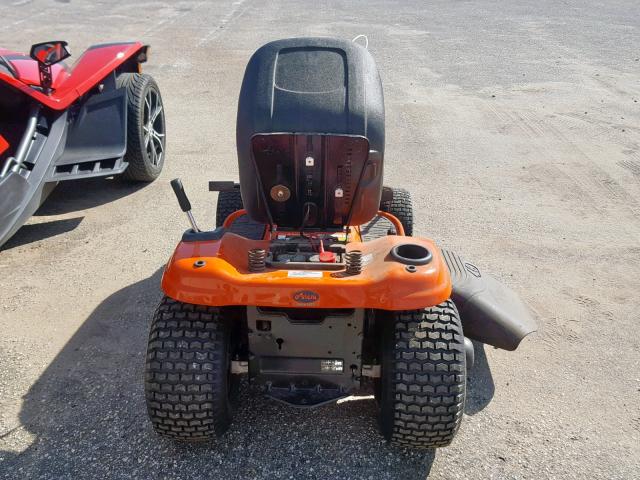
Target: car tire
<point x="146" y="127"/>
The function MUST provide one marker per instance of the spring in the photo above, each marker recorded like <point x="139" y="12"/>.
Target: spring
<point x="257" y="258"/>
<point x="354" y="262"/>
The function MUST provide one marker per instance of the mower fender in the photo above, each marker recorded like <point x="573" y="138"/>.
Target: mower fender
<point x="491" y="312"/>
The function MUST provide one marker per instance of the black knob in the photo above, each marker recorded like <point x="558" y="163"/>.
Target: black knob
<point x="178" y="189"/>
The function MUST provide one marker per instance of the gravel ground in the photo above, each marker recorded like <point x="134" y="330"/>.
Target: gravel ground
<point x="515" y="125"/>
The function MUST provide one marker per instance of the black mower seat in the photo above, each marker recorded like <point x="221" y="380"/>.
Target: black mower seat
<point x="310" y="134"/>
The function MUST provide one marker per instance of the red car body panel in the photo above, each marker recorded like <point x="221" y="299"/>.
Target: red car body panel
<point x="3" y="144"/>
<point x="68" y="83"/>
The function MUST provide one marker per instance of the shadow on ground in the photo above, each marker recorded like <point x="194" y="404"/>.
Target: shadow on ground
<point x="69" y="197"/>
<point x="87" y="416"/>
<point x="76" y="195"/>
<point x="480" y="386"/>
<point x="41" y="231"/>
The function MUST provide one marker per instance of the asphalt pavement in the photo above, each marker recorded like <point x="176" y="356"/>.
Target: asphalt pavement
<point x="515" y="125"/>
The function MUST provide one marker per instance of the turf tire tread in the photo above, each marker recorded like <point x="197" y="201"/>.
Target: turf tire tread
<point x="186" y="372"/>
<point x="428" y="378"/>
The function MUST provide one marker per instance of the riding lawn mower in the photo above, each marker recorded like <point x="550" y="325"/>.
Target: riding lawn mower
<point x="313" y="284"/>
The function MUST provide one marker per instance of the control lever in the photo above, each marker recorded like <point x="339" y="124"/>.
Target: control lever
<point x="183" y="201"/>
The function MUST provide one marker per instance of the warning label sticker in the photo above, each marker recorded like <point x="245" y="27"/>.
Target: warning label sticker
<point x="304" y="274"/>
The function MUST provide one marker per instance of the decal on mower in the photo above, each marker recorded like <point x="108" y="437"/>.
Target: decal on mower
<point x="306" y="296"/>
<point x="304" y="274"/>
<point x="472" y="269"/>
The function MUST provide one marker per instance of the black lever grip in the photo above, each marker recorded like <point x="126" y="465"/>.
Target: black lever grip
<point x="178" y="189"/>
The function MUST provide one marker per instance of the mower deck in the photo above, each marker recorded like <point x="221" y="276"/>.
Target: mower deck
<point x="296" y="356"/>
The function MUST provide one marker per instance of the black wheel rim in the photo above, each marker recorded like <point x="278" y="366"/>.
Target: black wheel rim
<point x="153" y="127"/>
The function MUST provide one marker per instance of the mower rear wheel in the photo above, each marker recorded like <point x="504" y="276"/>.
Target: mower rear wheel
<point x="146" y="127"/>
<point x="229" y="201"/>
<point x="422" y="386"/>
<point x="401" y="207"/>
<point x="189" y="388"/>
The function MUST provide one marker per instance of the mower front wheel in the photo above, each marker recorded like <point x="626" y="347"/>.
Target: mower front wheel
<point x="398" y="203"/>
<point x="189" y="388"/>
<point x="421" y="392"/>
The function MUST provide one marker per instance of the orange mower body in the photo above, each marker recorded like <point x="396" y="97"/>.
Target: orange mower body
<point x="217" y="273"/>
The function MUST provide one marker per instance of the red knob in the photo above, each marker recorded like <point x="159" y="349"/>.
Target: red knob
<point x="327" y="257"/>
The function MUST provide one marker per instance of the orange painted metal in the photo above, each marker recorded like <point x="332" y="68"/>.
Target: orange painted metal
<point x="397" y="224"/>
<point x="383" y="284"/>
<point x="233" y="217"/>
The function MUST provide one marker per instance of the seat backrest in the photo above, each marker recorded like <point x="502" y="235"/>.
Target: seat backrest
<point x="310" y="134"/>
